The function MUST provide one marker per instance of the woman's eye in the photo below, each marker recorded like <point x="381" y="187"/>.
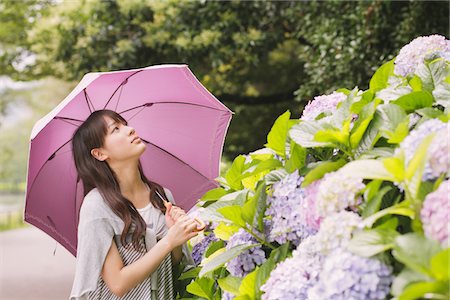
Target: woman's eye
<point x="115" y="128"/>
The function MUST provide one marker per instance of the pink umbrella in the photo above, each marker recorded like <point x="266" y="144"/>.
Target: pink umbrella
<point x="183" y="124"/>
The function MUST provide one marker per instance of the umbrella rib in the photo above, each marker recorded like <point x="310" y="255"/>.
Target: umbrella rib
<point x="145" y="141"/>
<point x="64" y="119"/>
<point x="168" y="102"/>
<point x="122" y="83"/>
<point x="88" y="101"/>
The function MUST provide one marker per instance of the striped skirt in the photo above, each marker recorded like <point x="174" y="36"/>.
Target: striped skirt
<point x="143" y="290"/>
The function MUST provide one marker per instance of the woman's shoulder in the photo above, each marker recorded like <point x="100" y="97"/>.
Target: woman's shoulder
<point x="94" y="206"/>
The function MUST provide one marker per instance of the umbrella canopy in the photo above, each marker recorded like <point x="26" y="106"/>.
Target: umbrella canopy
<point x="183" y="124"/>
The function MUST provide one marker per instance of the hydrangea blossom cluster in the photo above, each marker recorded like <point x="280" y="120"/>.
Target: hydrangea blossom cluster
<point x="412" y="142"/>
<point x="199" y="249"/>
<point x="337" y="192"/>
<point x="336" y="231"/>
<point x="286" y="208"/>
<point x="435" y="214"/>
<point x="312" y="218"/>
<point x="413" y="54"/>
<point x="439" y="152"/>
<point x="247" y="261"/>
<point x="349" y="276"/>
<point x="292" y="278"/>
<point x="325" y="104"/>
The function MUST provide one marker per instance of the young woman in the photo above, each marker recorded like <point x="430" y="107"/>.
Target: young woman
<point x="128" y="240"/>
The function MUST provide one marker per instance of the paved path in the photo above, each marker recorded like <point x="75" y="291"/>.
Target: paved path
<point x="28" y="269"/>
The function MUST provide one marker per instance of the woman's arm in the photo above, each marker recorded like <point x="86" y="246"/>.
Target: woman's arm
<point x="121" y="279"/>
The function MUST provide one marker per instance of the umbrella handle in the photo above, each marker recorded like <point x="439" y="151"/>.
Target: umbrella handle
<point x="200" y="224"/>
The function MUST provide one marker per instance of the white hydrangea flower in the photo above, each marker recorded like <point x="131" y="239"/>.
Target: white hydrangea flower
<point x="337" y="192"/>
<point x="413" y="54"/>
<point x="325" y="104"/>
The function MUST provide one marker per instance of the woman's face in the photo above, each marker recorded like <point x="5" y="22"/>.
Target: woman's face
<point x="121" y="143"/>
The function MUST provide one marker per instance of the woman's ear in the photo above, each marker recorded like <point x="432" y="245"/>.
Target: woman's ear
<point x="98" y="154"/>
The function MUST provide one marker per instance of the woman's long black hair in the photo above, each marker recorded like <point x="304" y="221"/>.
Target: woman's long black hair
<point x="98" y="174"/>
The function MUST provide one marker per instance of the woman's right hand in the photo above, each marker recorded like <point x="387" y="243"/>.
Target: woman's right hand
<point x="182" y="231"/>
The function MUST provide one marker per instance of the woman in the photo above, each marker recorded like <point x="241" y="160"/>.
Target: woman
<point x="119" y="253"/>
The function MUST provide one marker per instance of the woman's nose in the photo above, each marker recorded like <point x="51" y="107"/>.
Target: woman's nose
<point x="132" y="130"/>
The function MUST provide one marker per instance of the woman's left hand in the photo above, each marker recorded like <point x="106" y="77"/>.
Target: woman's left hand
<point x="173" y="213"/>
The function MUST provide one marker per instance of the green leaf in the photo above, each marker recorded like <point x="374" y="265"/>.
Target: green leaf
<point x="378" y="152"/>
<point x="370" y="242"/>
<point x="202" y="287"/>
<point x="260" y="166"/>
<point x="276" y="256"/>
<point x="400" y="132"/>
<point x="253" y="210"/>
<point x="415" y="251"/>
<point x="248" y="285"/>
<point x="276" y="139"/>
<point x="216" y="261"/>
<point x="333" y="136"/>
<point x="230" y="284"/>
<point x="321" y="169"/>
<point x="403" y="279"/>
<point x="359" y="128"/>
<point x="415" y="83"/>
<point x="431" y="113"/>
<point x="192" y="273"/>
<point x="303" y="134"/>
<point x="372" y="204"/>
<point x="402" y="209"/>
<point x="233" y="174"/>
<point x="214" y="194"/>
<point x="225" y="230"/>
<point x="391" y="115"/>
<point x="210" y="212"/>
<point x="414" y="100"/>
<point x="440" y="265"/>
<point x="379" y="80"/>
<point x="275" y="176"/>
<point x="368" y="169"/>
<point x="297" y="157"/>
<point x="213" y="247"/>
<point x="432" y="73"/>
<point x="419" y="289"/>
<point x="366" y="98"/>
<point x="233" y="213"/>
<point x="395" y="166"/>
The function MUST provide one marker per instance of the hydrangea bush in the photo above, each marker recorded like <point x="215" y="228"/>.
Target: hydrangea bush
<point x="350" y="201"/>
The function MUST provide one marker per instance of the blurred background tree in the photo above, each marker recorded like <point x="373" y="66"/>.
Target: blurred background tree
<point x="259" y="58"/>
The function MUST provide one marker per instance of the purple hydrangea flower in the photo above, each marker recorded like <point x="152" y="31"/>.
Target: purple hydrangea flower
<point x="412" y="142"/>
<point x="413" y="54"/>
<point x="247" y="261"/>
<point x="338" y="191"/>
<point x="435" y="214"/>
<point x="349" y="276"/>
<point x="199" y="249"/>
<point x="286" y="208"/>
<point x="325" y="104"/>
<point x="292" y="278"/>
<point x="438" y="155"/>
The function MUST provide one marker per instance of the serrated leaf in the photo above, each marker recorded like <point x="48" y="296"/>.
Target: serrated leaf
<point x="440" y="265"/>
<point x="297" y="157"/>
<point x="372" y="205"/>
<point x="402" y="209"/>
<point x="359" y="128"/>
<point x="233" y="174"/>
